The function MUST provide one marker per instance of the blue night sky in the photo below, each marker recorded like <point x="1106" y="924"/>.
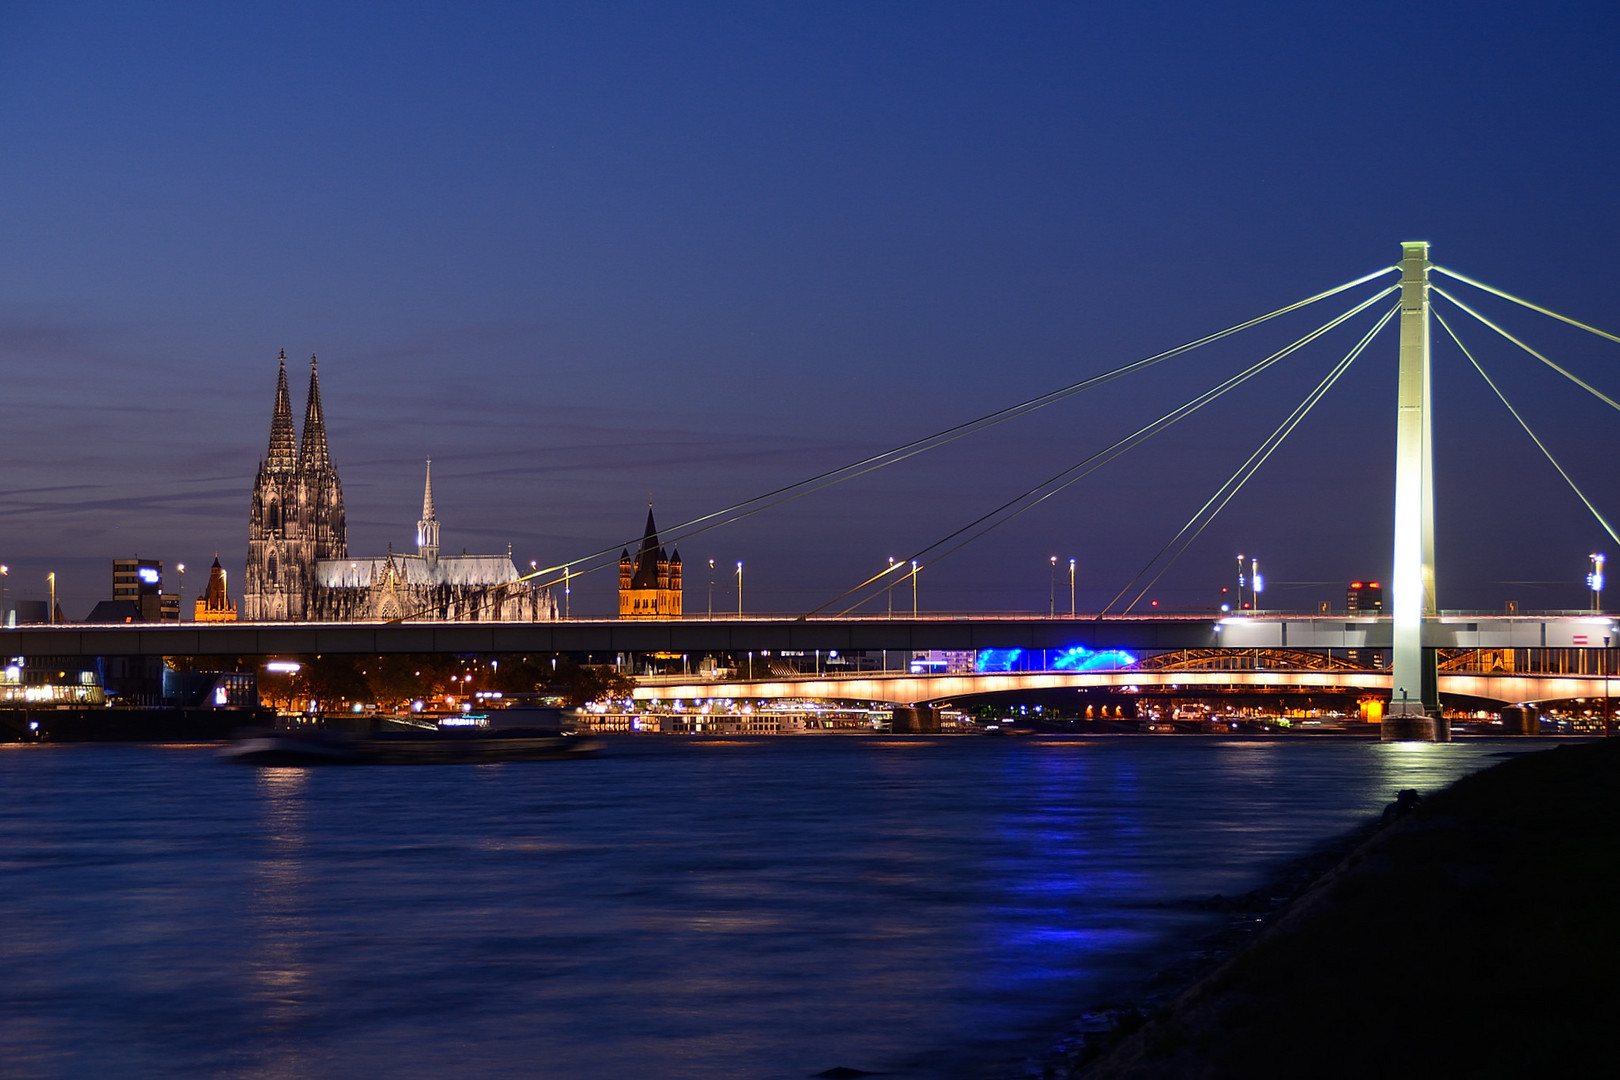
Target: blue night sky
<point x="580" y="253"/>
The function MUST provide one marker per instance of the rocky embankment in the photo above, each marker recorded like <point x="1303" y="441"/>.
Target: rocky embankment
<point x="1475" y="934"/>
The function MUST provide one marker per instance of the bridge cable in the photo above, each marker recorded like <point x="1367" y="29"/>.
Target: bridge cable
<point x="790" y="492"/>
<point x="1577" y="380"/>
<point x="1533" y="437"/>
<point x="1074" y="473"/>
<point x="1227" y="491"/>
<point x="748" y="507"/>
<point x="1524" y="303"/>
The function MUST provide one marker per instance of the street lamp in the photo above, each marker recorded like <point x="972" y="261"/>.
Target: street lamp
<point x="1257" y="584"/>
<point x="739" y="590"/>
<point x="568" y="588"/>
<point x="1071" y="588"/>
<point x="913" y="588"/>
<point x="1051" y="590"/>
<point x="51" y="615"/>
<point x="5" y="610"/>
<point x="889" y="592"/>
<point x="1241" y="581"/>
<point x="180" y="616"/>
<point x="711" y="589"/>
<point x="1594" y="581"/>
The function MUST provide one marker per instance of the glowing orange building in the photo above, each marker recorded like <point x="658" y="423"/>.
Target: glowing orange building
<point x="214" y="605"/>
<point x="649" y="581"/>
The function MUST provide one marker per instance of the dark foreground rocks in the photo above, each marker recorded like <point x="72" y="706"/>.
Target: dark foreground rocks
<point x="1477" y="934"/>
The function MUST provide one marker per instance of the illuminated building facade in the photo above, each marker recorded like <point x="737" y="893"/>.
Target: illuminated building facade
<point x="214" y="605"/>
<point x="297" y="518"/>
<point x="140" y="582"/>
<point x="649" y="581"/>
<point x="138" y="595"/>
<point x="298" y="565"/>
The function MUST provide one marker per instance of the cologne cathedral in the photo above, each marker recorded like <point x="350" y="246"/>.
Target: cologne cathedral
<point x="299" y="567"/>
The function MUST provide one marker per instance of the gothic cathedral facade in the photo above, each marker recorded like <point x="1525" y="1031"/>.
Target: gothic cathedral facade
<point x="297" y="518"/>
<point x="299" y="567"/>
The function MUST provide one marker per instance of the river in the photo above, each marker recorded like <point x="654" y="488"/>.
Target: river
<point x="672" y="908"/>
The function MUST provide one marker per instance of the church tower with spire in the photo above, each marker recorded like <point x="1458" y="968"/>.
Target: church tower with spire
<point x="319" y="488"/>
<point x="427" y="530"/>
<point x="299" y="567"/>
<point x="297" y="514"/>
<point x="649" y="581"/>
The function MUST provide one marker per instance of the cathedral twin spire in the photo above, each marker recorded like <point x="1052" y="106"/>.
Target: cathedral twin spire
<point x="286" y="453"/>
<point x="283" y="456"/>
<point x="312" y="453"/>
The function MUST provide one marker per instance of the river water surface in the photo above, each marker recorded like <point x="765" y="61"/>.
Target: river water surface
<point x="757" y="909"/>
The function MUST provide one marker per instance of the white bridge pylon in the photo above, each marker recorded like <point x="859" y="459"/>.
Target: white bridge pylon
<point x="1414" y="706"/>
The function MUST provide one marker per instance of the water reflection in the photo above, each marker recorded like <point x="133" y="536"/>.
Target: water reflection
<point x="280" y="927"/>
<point x="685" y="910"/>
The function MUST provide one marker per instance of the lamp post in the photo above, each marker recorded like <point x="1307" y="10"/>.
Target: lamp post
<point x="568" y="589"/>
<point x="1241" y="581"/>
<point x="1257" y="584"/>
<point x="180" y="616"/>
<point x="739" y="594"/>
<point x="913" y="588"/>
<point x="1594" y="581"/>
<point x="889" y="592"/>
<point x="1071" y="588"/>
<point x="5" y="609"/>
<point x="50" y="616"/>
<point x="711" y="590"/>
<point x="1051" y="590"/>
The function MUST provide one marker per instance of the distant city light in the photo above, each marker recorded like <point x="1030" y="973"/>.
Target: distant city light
<point x="283" y="666"/>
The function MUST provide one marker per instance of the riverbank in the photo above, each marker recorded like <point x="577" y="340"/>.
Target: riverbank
<point x="1474" y="936"/>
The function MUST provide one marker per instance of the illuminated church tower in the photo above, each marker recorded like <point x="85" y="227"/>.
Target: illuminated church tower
<point x="297" y="513"/>
<point x="427" y="530"/>
<point x="649" y="582"/>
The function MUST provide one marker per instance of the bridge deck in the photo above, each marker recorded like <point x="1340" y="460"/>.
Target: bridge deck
<point x="903" y="688"/>
<point x="607" y="637"/>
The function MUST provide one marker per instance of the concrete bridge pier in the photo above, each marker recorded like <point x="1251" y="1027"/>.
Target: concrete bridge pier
<point x="915" y="720"/>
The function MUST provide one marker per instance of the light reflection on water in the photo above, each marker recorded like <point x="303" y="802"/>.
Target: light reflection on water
<point x="753" y="908"/>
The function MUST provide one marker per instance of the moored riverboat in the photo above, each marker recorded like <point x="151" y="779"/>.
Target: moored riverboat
<point x="429" y="746"/>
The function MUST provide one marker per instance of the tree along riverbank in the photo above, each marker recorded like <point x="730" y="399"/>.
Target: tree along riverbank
<point x="1477" y="935"/>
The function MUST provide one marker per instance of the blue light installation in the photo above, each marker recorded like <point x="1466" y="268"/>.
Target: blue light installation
<point x="1078" y="658"/>
<point x="996" y="660"/>
<point x="1081" y="658"/>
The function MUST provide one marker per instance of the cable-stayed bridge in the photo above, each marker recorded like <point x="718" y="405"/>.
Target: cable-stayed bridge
<point x="1412" y="632"/>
